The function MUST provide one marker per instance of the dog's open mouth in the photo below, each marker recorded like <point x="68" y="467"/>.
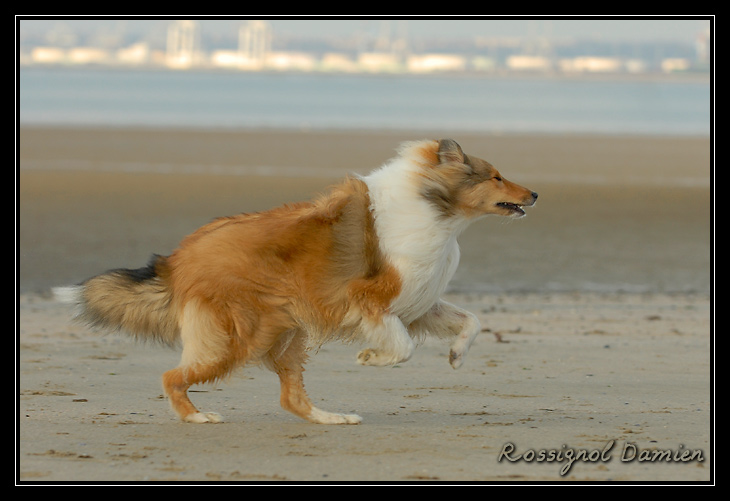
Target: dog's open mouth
<point x="513" y="208"/>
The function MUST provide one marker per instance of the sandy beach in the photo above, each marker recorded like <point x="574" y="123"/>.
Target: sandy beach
<point x="596" y="309"/>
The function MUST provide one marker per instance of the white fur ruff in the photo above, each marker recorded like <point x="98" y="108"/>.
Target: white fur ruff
<point x="422" y="246"/>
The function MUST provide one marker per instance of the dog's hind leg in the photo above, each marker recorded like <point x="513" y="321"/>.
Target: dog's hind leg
<point x="206" y="356"/>
<point x="176" y="383"/>
<point x="289" y="365"/>
<point x="446" y="320"/>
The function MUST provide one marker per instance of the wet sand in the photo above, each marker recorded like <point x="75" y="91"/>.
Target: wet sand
<point x="602" y="296"/>
<point x="613" y="214"/>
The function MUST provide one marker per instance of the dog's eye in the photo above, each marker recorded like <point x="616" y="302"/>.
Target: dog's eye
<point x="497" y="178"/>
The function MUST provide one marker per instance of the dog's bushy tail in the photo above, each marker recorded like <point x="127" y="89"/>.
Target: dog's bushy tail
<point x="138" y="302"/>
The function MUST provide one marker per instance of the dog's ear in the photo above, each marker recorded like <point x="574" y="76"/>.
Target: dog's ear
<point x="450" y="151"/>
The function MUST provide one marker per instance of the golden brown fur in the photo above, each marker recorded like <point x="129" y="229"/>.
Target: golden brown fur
<point x="264" y="287"/>
<point x="246" y="286"/>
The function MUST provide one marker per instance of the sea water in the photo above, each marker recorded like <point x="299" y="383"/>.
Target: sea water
<point x="103" y="97"/>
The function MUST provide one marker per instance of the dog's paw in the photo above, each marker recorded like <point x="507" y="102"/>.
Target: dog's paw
<point x="203" y="417"/>
<point x="456" y="359"/>
<point x="366" y="357"/>
<point x="322" y="417"/>
<point x="459" y="349"/>
<point x="376" y="358"/>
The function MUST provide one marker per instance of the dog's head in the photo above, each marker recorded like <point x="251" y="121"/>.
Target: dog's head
<point x="460" y="184"/>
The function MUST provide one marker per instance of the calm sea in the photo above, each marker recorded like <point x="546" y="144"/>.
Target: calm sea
<point x="102" y="97"/>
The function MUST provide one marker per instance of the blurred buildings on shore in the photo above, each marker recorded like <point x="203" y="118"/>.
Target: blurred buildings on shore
<point x="254" y="48"/>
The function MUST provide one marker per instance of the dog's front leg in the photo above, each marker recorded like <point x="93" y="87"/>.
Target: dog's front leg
<point x="391" y="341"/>
<point x="446" y="320"/>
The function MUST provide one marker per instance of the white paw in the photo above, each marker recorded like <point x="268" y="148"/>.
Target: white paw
<point x="456" y="359"/>
<point x="321" y="417"/>
<point x="461" y="346"/>
<point x="392" y="343"/>
<point x="379" y="359"/>
<point x="203" y="417"/>
<point x="368" y="357"/>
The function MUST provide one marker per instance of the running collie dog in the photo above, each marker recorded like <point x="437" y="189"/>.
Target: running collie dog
<point x="366" y="262"/>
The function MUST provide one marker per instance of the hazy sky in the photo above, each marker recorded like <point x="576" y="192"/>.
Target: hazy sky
<point x="679" y="29"/>
<point x="607" y="29"/>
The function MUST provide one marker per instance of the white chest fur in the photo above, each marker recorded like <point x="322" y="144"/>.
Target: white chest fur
<point x="421" y="245"/>
<point x="423" y="280"/>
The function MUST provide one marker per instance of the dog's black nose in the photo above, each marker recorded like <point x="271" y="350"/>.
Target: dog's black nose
<point x="534" y="195"/>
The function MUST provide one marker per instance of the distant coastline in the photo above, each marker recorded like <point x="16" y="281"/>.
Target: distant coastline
<point x="694" y="76"/>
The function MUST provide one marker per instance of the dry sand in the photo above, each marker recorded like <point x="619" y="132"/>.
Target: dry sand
<point x="601" y="298"/>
